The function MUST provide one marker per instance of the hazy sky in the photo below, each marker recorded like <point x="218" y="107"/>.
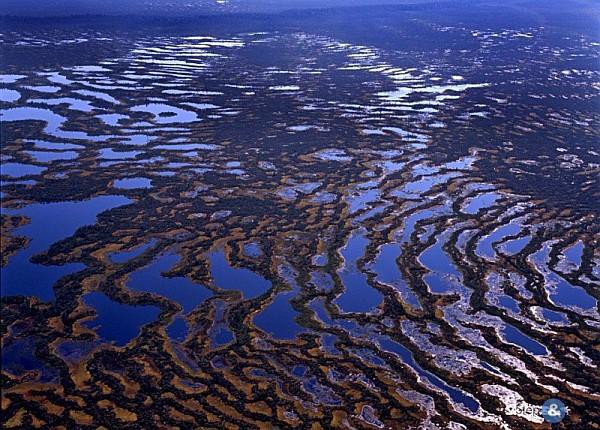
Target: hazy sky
<point x="170" y="7"/>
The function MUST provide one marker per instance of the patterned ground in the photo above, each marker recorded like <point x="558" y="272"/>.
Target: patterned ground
<point x="290" y="230"/>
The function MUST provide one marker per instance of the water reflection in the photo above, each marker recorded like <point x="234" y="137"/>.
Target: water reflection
<point x="109" y="322"/>
<point x="21" y="276"/>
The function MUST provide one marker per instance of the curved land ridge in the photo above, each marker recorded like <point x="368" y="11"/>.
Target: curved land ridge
<point x="291" y="229"/>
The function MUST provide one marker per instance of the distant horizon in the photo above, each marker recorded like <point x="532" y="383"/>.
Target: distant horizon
<point x="64" y="8"/>
<point x="563" y="13"/>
